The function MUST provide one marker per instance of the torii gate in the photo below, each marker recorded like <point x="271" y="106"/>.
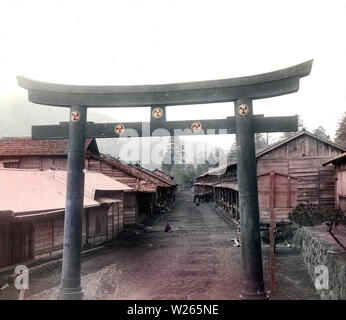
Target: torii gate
<point x="244" y="124"/>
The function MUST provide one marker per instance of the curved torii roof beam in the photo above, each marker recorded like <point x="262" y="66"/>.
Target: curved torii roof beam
<point x="260" y="86"/>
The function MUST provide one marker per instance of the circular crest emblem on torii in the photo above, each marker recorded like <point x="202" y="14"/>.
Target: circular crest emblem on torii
<point x="243" y="109"/>
<point x="157" y="113"/>
<point x="75" y="116"/>
<point x="196" y="126"/>
<point x="119" y="128"/>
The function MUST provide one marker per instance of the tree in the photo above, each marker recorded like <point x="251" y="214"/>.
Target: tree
<point x="301" y="127"/>
<point x="321" y="133"/>
<point x="260" y="142"/>
<point x="174" y="155"/>
<point x="186" y="176"/>
<point x="232" y="153"/>
<point x="340" y="135"/>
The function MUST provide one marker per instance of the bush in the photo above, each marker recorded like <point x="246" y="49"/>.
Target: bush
<point x="284" y="232"/>
<point x="311" y="214"/>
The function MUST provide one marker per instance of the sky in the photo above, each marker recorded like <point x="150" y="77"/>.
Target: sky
<point x="165" y="41"/>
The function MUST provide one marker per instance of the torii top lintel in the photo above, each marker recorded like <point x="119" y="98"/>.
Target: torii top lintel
<point x="259" y="86"/>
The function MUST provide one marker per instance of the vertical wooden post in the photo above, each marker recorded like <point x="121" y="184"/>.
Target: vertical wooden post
<point x="232" y="202"/>
<point x="253" y="284"/>
<point x="113" y="218"/>
<point x="237" y="205"/>
<point x="118" y="206"/>
<point x="272" y="230"/>
<point x="289" y="192"/>
<point x="52" y="232"/>
<point x="86" y="214"/>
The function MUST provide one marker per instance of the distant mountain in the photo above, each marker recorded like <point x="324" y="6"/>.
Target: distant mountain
<point x="17" y="115"/>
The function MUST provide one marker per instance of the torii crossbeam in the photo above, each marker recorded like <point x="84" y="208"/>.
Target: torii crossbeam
<point x="244" y="124"/>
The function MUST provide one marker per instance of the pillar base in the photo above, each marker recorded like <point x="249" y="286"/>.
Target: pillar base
<point x="70" y="294"/>
<point x="254" y="296"/>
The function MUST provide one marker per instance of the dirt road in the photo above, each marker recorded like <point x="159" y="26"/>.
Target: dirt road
<point x="196" y="260"/>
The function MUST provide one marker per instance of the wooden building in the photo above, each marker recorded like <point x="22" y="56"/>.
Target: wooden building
<point x="27" y="153"/>
<point x="166" y="193"/>
<point x="283" y="190"/>
<point x="32" y="209"/>
<point x="226" y="198"/>
<point x="205" y="182"/>
<point x="301" y="157"/>
<point x="339" y="163"/>
<point x="147" y="189"/>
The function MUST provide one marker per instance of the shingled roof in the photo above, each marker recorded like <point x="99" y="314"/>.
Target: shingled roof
<point x="137" y="172"/>
<point x="157" y="176"/>
<point x="26" y="146"/>
<point x="163" y="174"/>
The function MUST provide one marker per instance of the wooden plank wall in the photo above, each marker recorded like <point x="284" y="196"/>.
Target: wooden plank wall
<point x="115" y="221"/>
<point x="16" y="243"/>
<point x="327" y="186"/>
<point x="58" y="230"/>
<point x="315" y="183"/>
<point x="97" y="220"/>
<point x="22" y="242"/>
<point x="5" y="245"/>
<point x="40" y="162"/>
<point x="106" y="222"/>
<point x="285" y="197"/>
<point x="48" y="233"/>
<point x="43" y="235"/>
<point x="302" y="158"/>
<point x="129" y="200"/>
<point x="37" y="236"/>
<point x="130" y="208"/>
<point x="108" y="170"/>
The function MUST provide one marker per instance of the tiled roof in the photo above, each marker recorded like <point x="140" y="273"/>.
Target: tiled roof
<point x="24" y="146"/>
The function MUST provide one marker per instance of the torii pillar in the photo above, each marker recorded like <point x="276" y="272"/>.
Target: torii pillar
<point x="253" y="284"/>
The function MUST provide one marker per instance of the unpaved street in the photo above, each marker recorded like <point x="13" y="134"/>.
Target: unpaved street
<point x="196" y="260"/>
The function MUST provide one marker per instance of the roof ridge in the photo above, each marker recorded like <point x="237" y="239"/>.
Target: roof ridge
<point x="127" y="167"/>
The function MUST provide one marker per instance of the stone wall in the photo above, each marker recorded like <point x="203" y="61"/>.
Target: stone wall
<point x="318" y="247"/>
